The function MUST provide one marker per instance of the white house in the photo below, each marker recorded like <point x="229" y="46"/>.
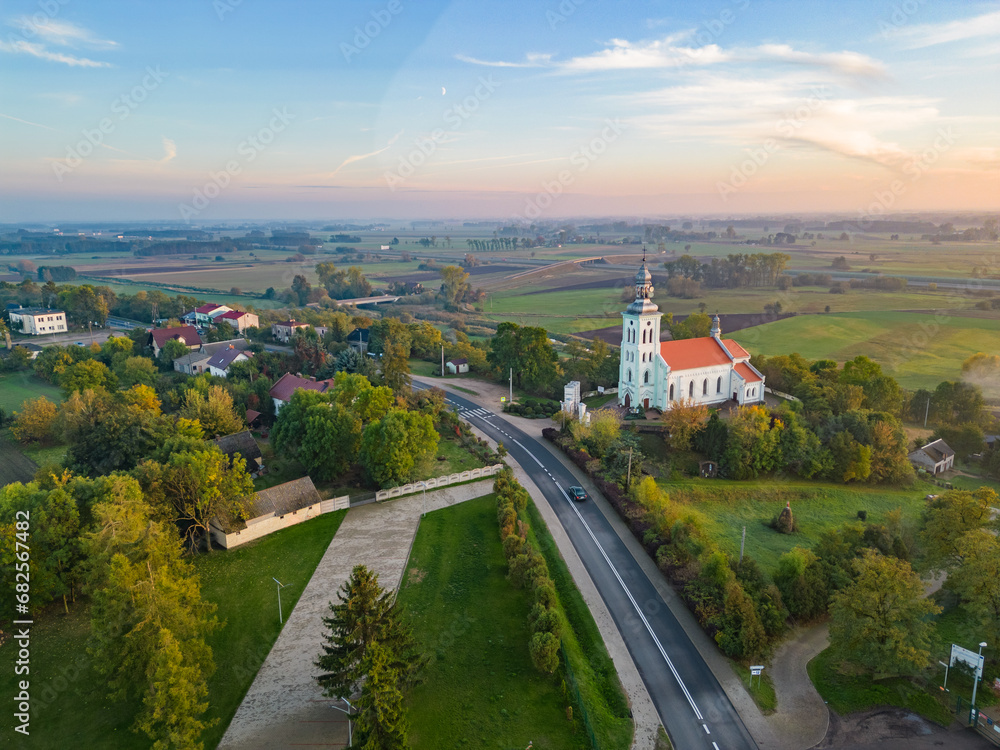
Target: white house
<point x="219" y="364"/>
<point x="237" y="319"/>
<point x="654" y="374"/>
<point x="937" y="457"/>
<point x="37" y="321"/>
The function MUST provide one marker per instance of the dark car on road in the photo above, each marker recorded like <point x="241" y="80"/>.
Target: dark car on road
<point x="578" y="493"/>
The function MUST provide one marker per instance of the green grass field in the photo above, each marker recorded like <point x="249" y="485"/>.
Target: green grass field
<point x="918" y="349"/>
<point x="18" y="387"/>
<point x="69" y="705"/>
<point x="479" y="689"/>
<point x="726" y="506"/>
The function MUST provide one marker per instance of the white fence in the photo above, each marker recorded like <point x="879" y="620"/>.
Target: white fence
<point x="606" y="391"/>
<point x="335" y="503"/>
<point x="779" y="394"/>
<point x="430" y="484"/>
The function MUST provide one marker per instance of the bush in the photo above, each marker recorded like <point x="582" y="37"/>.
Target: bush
<point x="544" y="649"/>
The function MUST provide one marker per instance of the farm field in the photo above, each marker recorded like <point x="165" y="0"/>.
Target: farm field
<point x="726" y="506"/>
<point x="72" y="709"/>
<point x="918" y="349"/>
<point x="479" y="688"/>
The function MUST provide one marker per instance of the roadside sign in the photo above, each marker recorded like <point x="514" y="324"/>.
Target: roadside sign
<point x="755" y="671"/>
<point x="968" y="657"/>
<point x="502" y="399"/>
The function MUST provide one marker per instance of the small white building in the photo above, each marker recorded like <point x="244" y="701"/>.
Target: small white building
<point x="936" y="457"/>
<point x="37" y="321"/>
<point x="219" y="364"/>
<point x="239" y="320"/>
<point x="457" y="366"/>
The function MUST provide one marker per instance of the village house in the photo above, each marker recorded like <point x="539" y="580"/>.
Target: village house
<point x="242" y="444"/>
<point x="654" y="374"/>
<point x="936" y="457"/>
<point x="239" y="320"/>
<point x="281" y="392"/>
<point x="187" y="335"/>
<point x="358" y="340"/>
<point x="286" y="329"/>
<point x="219" y="364"/>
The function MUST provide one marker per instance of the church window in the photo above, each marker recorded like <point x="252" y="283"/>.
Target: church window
<point x="629" y="378"/>
<point x="691" y="389"/>
<point x="704" y="387"/>
<point x="718" y="385"/>
<point x="645" y="377"/>
<point x="671" y="392"/>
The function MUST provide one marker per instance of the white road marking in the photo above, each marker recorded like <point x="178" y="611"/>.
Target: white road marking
<point x="715" y="746"/>
<point x="649" y="628"/>
<point x="705" y="727"/>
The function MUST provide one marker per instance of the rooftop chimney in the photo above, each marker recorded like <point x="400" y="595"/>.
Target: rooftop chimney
<point x="312" y="378"/>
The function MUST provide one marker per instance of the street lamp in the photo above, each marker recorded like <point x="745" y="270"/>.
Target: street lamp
<point x="280" y="587"/>
<point x="350" y="738"/>
<point x="976" y="677"/>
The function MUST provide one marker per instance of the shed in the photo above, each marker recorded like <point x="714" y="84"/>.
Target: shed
<point x="936" y="457"/>
<point x="457" y="366"/>
<point x="242" y="444"/>
<point x="272" y="509"/>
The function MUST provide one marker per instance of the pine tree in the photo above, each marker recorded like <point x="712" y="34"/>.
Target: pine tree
<point x="381" y="718"/>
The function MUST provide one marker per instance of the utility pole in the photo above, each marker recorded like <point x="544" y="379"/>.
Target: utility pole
<point x="743" y="541"/>
<point x="927" y="412"/>
<point x="628" y="477"/>
<point x="442" y="360"/>
<point x="976" y="676"/>
<point x="511" y="385"/>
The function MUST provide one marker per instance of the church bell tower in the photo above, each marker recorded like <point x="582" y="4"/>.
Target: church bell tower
<point x="640" y="344"/>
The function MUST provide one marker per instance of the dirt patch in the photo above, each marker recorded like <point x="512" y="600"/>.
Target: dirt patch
<point x="16" y="467"/>
<point x="892" y="728"/>
<point x="416" y="575"/>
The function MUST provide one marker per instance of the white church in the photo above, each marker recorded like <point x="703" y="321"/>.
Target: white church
<point x="655" y="374"/>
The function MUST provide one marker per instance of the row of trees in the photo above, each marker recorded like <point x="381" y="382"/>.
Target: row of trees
<point x="733" y="271"/>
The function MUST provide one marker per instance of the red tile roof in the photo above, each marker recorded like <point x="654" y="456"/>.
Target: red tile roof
<point x="748" y="375"/>
<point x="205" y="309"/>
<point x="288" y="383"/>
<point x="735" y="349"/>
<point x="188" y="333"/>
<point x="690" y="354"/>
<point x="292" y="324"/>
<point x="231" y="315"/>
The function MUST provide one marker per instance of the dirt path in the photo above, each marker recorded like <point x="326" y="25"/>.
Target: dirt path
<point x="802" y="718"/>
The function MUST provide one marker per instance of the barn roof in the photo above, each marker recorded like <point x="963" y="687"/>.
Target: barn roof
<point x="274" y="501"/>
<point x="241" y="443"/>
<point x="187" y="334"/>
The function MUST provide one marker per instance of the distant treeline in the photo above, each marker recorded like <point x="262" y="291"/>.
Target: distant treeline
<point x="731" y="272"/>
<point x="46" y="244"/>
<point x="56" y="273"/>
<point x="186" y="247"/>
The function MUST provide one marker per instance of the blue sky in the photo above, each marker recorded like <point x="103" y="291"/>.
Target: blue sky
<point x="207" y="110"/>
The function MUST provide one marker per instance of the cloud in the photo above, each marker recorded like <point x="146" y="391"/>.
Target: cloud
<point x="359" y="157"/>
<point x="668" y="53"/>
<point x="169" y="150"/>
<point x="930" y="34"/>
<point x="62" y="33"/>
<point x="37" y="50"/>
<point x="26" y="122"/>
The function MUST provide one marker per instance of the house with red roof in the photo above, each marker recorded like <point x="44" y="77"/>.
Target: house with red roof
<point x="206" y="313"/>
<point x="281" y="392"/>
<point x="284" y="330"/>
<point x="659" y="374"/>
<point x="187" y="335"/>
<point x="237" y="319"/>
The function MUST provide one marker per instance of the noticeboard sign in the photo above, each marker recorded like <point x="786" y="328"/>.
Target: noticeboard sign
<point x="971" y="658"/>
<point x="755" y="671"/>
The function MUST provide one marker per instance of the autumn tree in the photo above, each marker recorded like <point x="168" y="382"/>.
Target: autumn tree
<point x="89" y="373"/>
<point x="148" y="620"/>
<point x="683" y="420"/>
<point x="880" y="621"/>
<point x="35" y="422"/>
<point x="977" y="580"/>
<point x="454" y="286"/>
<point x="528" y="352"/>
<point x="752" y="446"/>
<point x="213" y="409"/>
<point x="392" y="447"/>
<point x="949" y="517"/>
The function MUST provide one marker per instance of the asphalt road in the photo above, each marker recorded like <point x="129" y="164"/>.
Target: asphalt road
<point x="691" y="703"/>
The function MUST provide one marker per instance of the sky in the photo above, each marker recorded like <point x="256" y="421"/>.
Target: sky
<point x="216" y="110"/>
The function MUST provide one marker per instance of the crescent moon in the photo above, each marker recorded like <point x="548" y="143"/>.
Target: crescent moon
<point x="443" y="91"/>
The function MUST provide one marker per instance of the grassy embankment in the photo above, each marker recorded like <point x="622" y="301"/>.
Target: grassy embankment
<point x="480" y="688"/>
<point x="69" y="705"/>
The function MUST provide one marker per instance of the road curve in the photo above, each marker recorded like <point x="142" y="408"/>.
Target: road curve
<point x="691" y="703"/>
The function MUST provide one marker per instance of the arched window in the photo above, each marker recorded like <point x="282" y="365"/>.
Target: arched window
<point x="704" y="387"/>
<point x="671" y="392"/>
<point x="628" y="376"/>
<point x="645" y="377"/>
<point x="691" y="389"/>
<point x="718" y="385"/>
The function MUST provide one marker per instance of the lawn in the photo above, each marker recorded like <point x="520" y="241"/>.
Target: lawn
<point x="479" y="689"/>
<point x="726" y="506"/>
<point x="918" y="349"/>
<point x="70" y="708"/>
<point x="18" y="387"/>
<point x="456" y="459"/>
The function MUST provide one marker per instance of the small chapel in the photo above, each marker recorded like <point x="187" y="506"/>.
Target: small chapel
<point x="654" y="374"/>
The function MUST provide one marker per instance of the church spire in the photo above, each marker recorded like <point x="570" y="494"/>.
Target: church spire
<point x="643" y="290"/>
